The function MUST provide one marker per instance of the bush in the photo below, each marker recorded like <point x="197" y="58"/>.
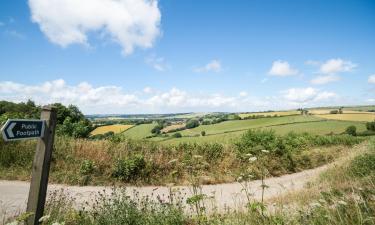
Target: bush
<point x="129" y="169"/>
<point x="177" y="135"/>
<point x="203" y="133"/>
<point x="351" y="130"/>
<point x="363" y="165"/>
<point x="192" y="123"/>
<point x="87" y="167"/>
<point x="334" y="112"/>
<point x="370" y="126"/>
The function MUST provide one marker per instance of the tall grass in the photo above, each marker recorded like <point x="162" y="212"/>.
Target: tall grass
<point x="121" y="160"/>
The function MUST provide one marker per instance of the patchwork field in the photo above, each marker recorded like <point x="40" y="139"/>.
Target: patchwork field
<point x="117" y="128"/>
<point x="139" y="131"/>
<point x="365" y="117"/>
<point x="278" y="113"/>
<point x="318" y="127"/>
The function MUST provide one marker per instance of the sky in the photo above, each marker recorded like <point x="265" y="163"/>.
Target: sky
<point x="168" y="56"/>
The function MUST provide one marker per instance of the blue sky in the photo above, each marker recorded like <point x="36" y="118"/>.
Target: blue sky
<point x="111" y="56"/>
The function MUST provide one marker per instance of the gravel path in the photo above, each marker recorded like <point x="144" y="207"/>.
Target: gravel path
<point x="13" y="194"/>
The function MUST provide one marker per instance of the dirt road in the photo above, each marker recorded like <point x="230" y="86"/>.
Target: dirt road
<point x="13" y="194"/>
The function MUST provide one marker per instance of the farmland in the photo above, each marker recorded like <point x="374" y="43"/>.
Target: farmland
<point x="365" y="117"/>
<point x="276" y="113"/>
<point x="116" y="128"/>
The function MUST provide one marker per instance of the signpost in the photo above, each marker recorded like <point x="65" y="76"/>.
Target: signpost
<point x="44" y="130"/>
<point x="22" y="129"/>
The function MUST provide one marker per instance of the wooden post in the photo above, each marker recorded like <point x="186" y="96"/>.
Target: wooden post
<point x="41" y="165"/>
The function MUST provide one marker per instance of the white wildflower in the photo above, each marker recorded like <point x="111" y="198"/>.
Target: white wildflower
<point x="265" y="151"/>
<point x="341" y="202"/>
<point x="57" y="223"/>
<point x="44" y="218"/>
<point x="315" y="205"/>
<point x="172" y="161"/>
<point x="13" y="223"/>
<point x="249" y="154"/>
<point x="252" y="159"/>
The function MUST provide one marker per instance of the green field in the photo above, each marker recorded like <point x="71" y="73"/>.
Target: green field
<point x="312" y="127"/>
<point x="139" y="131"/>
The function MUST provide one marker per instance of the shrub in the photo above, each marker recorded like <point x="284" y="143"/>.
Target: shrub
<point x="129" y="169"/>
<point x="192" y="123"/>
<point x="363" y="165"/>
<point x="177" y="135"/>
<point x="87" y="167"/>
<point x="203" y="133"/>
<point x="370" y="126"/>
<point x="351" y="130"/>
<point x="334" y="112"/>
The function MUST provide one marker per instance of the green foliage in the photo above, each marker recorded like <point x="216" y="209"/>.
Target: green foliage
<point x="87" y="167"/>
<point x="351" y="130"/>
<point x="128" y="169"/>
<point x="370" y="126"/>
<point x="177" y="135"/>
<point x="192" y="123"/>
<point x="363" y="165"/>
<point x="203" y="133"/>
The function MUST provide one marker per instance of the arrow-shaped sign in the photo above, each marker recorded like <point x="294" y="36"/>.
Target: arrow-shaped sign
<point x="16" y="129"/>
<point x="10" y="129"/>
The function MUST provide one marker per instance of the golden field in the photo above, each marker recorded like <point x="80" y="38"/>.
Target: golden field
<point x="116" y="128"/>
<point x="279" y="113"/>
<point x="364" y="117"/>
<point x="327" y="111"/>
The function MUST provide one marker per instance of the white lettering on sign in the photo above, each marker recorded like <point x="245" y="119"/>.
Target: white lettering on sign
<point x="30" y="126"/>
<point x="27" y="133"/>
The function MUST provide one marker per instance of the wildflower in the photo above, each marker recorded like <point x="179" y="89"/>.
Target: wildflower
<point x="172" y="161"/>
<point x="265" y="151"/>
<point x="341" y="202"/>
<point x="315" y="205"/>
<point x="13" y="223"/>
<point x="252" y="159"/>
<point x="57" y="223"/>
<point x="44" y="218"/>
<point x="249" y="154"/>
<point x="239" y="179"/>
<point x="197" y="156"/>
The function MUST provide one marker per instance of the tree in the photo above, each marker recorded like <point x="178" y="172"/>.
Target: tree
<point x="351" y="130"/>
<point x="192" y="123"/>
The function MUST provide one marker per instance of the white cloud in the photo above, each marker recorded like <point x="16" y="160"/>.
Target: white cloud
<point x="371" y="79"/>
<point x="114" y="99"/>
<point x="158" y="63"/>
<point x="148" y="90"/>
<point x="213" y="66"/>
<point x="325" y="79"/>
<point x="282" y="69"/>
<point x="336" y="65"/>
<point x="130" y="23"/>
<point x="307" y="95"/>
<point x="243" y="94"/>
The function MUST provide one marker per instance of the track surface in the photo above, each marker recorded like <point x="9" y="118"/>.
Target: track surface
<point x="13" y="194"/>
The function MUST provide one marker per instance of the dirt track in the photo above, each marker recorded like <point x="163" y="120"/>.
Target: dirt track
<point x="13" y="194"/>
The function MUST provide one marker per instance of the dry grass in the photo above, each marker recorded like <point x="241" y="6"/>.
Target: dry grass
<point x="279" y="113"/>
<point x="173" y="127"/>
<point x="363" y="117"/>
<point x="116" y="128"/>
<point x="336" y="175"/>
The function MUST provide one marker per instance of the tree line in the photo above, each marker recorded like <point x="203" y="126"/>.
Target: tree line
<point x="70" y="120"/>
